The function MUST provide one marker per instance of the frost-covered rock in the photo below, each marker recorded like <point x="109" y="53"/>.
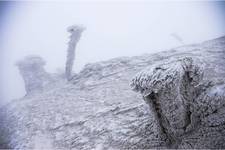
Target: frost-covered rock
<point x="34" y="75"/>
<point x="36" y="79"/>
<point x="98" y="110"/>
<point x="184" y="102"/>
<point x="76" y="31"/>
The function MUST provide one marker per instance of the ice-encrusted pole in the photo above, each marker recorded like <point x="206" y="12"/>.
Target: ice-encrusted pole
<point x="76" y="31"/>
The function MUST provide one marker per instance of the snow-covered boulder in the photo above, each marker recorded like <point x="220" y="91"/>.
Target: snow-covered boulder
<point x="189" y="108"/>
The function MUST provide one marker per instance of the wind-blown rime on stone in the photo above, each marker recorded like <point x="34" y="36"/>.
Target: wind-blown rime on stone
<point x="190" y="111"/>
<point x="34" y="75"/>
<point x="74" y="38"/>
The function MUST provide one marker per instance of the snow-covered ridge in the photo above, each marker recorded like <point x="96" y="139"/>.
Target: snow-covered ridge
<point x="98" y="109"/>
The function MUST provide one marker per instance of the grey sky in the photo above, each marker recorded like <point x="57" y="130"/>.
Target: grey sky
<point x="114" y="29"/>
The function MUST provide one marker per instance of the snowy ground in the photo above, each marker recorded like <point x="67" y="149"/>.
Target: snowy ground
<point x="97" y="108"/>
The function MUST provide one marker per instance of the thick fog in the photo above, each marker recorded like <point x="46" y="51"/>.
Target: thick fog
<point x="113" y="29"/>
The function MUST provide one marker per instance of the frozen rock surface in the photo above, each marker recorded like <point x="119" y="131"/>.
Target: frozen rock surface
<point x="76" y="31"/>
<point x="189" y="108"/>
<point x="183" y="87"/>
<point x="36" y="79"/>
<point x="34" y="75"/>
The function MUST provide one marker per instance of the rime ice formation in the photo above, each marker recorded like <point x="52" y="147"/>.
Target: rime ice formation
<point x="76" y="32"/>
<point x="34" y="75"/>
<point x="97" y="108"/>
<point x="184" y="103"/>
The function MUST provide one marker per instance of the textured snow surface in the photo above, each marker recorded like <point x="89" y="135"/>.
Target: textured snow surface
<point x="184" y="105"/>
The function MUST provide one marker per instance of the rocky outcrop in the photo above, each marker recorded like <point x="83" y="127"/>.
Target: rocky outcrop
<point x="97" y="108"/>
<point x="189" y="108"/>
<point x="76" y="32"/>
<point x="34" y="75"/>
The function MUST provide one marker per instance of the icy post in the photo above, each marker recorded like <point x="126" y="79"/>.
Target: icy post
<point x="75" y="31"/>
<point x="32" y="70"/>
